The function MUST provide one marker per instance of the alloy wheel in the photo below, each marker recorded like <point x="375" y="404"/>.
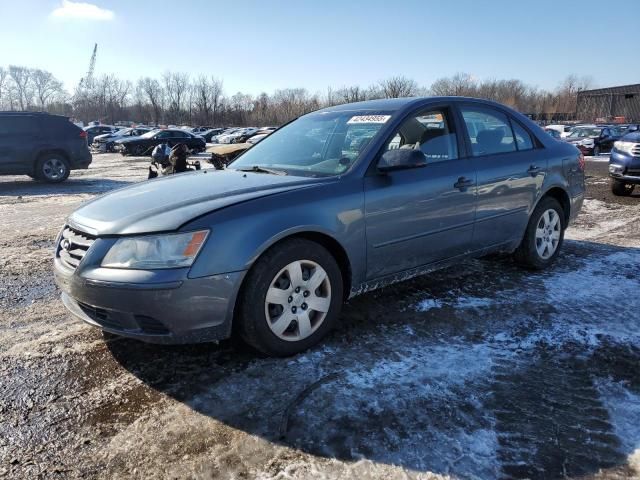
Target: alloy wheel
<point x="54" y="169"/>
<point x="297" y="301"/>
<point x="548" y="234"/>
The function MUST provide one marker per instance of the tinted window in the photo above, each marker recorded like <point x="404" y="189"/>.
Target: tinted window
<point x="17" y="125"/>
<point x="429" y="132"/>
<point x="489" y="131"/>
<point x="523" y="139"/>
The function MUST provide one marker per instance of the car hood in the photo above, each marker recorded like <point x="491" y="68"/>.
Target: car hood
<point x="632" y="137"/>
<point x="166" y="203"/>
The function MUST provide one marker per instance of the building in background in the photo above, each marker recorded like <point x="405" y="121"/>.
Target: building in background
<point x="613" y="104"/>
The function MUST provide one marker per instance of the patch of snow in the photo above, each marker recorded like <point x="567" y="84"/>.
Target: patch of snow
<point x="623" y="406"/>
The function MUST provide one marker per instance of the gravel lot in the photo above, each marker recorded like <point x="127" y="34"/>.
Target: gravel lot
<point x="478" y="371"/>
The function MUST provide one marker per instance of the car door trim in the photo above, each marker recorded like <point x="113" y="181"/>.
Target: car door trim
<point x="422" y="234"/>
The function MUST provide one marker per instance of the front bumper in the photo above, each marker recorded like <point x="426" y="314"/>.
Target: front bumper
<point x="175" y="310"/>
<point x="630" y="179"/>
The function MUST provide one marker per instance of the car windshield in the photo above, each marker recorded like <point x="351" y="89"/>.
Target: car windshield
<point x="318" y="144"/>
<point x="585" y="132"/>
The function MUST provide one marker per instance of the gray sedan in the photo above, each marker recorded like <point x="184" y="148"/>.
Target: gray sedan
<point x="338" y="202"/>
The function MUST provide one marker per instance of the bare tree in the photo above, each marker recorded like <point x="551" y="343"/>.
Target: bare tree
<point x="46" y="86"/>
<point x="4" y="79"/>
<point x="152" y="90"/>
<point x="396" y="87"/>
<point x="176" y="87"/>
<point x="22" y="80"/>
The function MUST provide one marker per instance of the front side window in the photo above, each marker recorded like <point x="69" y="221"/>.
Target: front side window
<point x="317" y="144"/>
<point x="431" y="133"/>
<point x="489" y="131"/>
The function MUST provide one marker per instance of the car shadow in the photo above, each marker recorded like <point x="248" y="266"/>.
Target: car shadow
<point x="25" y="187"/>
<point x="482" y="370"/>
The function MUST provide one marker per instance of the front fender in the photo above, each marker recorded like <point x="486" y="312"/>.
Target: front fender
<point x="242" y="232"/>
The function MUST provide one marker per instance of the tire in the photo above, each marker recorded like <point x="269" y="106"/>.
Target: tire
<point x="621" y="189"/>
<point x="139" y="150"/>
<point x="52" y="168"/>
<point x="532" y="253"/>
<point x="272" y="327"/>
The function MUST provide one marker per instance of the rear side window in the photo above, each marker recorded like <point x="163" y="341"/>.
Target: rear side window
<point x="489" y="131"/>
<point x="17" y="125"/>
<point x="523" y="139"/>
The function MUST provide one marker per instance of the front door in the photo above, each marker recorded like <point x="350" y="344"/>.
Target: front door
<point x="419" y="216"/>
<point x="510" y="174"/>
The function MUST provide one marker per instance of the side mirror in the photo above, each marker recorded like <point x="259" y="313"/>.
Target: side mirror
<point x="401" y="159"/>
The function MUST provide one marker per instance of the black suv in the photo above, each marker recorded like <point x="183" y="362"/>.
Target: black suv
<point x="45" y="147"/>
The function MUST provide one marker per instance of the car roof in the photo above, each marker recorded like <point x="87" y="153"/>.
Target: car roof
<point x="404" y="103"/>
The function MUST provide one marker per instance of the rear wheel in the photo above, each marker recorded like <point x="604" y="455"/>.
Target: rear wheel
<point x="52" y="168"/>
<point x="544" y="235"/>
<point x="291" y="298"/>
<point x="621" y="189"/>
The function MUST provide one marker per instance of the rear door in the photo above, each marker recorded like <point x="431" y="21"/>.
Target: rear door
<point x="18" y="136"/>
<point x="510" y="171"/>
<point x="420" y="216"/>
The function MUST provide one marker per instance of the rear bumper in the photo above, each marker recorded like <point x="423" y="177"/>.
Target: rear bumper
<point x="172" y="312"/>
<point x="81" y="161"/>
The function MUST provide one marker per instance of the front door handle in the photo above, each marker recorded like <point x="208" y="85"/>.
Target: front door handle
<point x="533" y="170"/>
<point x="463" y="183"/>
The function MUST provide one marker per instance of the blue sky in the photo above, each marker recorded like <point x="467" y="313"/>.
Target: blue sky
<point x="263" y="45"/>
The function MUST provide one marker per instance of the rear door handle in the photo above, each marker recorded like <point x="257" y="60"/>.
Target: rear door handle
<point x="533" y="170"/>
<point x="463" y="183"/>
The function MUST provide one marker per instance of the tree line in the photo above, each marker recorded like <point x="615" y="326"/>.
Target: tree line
<point x="179" y="98"/>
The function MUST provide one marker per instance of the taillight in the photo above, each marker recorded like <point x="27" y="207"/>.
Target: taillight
<point x="581" y="162"/>
<point x="83" y="134"/>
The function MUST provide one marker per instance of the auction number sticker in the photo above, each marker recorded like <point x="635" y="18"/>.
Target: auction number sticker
<point x="369" y="119"/>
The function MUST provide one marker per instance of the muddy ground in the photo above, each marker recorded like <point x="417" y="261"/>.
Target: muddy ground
<point x="479" y="371"/>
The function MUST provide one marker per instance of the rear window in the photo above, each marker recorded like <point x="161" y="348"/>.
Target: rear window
<point x="61" y="125"/>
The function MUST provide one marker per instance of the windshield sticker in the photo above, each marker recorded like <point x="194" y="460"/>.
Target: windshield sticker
<point x="369" y="119"/>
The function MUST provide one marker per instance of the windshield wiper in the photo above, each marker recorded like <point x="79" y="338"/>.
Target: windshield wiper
<point x="259" y="169"/>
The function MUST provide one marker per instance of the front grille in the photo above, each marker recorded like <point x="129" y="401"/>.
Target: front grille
<point x="635" y="151"/>
<point x="73" y="246"/>
<point x="634" y="172"/>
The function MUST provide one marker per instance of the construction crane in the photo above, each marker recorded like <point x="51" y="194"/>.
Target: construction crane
<point x="87" y="81"/>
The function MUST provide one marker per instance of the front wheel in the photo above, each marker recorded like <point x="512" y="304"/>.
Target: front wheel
<point x="291" y="298"/>
<point x="621" y="189"/>
<point x="544" y="235"/>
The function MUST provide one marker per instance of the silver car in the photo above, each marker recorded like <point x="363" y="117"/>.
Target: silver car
<point x="338" y="202"/>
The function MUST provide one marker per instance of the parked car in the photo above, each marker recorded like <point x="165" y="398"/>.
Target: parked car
<point x="200" y="130"/>
<point x="237" y="136"/>
<point x="272" y="245"/>
<point x="554" y="133"/>
<point x="42" y="146"/>
<point x="94" y="130"/>
<point x="224" y="133"/>
<point x="257" y="138"/>
<point x="624" y="164"/>
<point x="105" y="143"/>
<point x="563" y="130"/>
<point x="593" y="139"/>
<point x="209" y="134"/>
<point x="143" y="145"/>
<point x="242" y="137"/>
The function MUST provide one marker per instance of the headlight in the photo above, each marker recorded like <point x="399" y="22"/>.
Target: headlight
<point x="151" y="252"/>
<point x="625" y="147"/>
<point x="613" y="168"/>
